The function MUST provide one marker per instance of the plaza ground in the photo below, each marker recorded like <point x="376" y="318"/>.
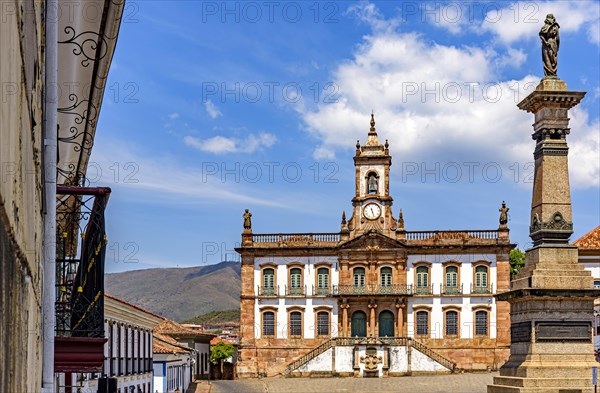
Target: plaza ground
<point x="457" y="383"/>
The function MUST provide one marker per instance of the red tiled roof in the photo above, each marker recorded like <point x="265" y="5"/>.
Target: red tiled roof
<point x="165" y="344"/>
<point x="216" y="340"/>
<point x="172" y="328"/>
<point x="132" y="305"/>
<point x="590" y="240"/>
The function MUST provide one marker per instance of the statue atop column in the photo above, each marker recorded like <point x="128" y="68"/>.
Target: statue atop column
<point x="550" y="44"/>
<point x="247" y="221"/>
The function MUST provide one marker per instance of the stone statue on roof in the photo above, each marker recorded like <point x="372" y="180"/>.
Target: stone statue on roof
<point x="247" y="220"/>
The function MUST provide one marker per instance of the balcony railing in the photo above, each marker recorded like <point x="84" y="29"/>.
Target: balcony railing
<point x="397" y="289"/>
<point x="295" y="291"/>
<point x="458" y="235"/>
<point x="423" y="290"/>
<point x="475" y="290"/>
<point x="267" y="291"/>
<point x="321" y="291"/>
<point x="450" y="290"/>
<point x="296" y="238"/>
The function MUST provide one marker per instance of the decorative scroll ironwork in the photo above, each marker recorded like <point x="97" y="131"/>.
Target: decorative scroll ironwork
<point x="88" y="44"/>
<point x="80" y="276"/>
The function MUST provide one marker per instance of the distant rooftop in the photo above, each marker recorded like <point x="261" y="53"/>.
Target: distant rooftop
<point x="590" y="240"/>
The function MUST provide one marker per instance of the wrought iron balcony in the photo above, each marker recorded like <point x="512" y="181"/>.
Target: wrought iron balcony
<point x="80" y="252"/>
<point x="295" y="291"/>
<point x="475" y="290"/>
<point x="450" y="290"/>
<point x="267" y="291"/>
<point x="321" y="291"/>
<point x="423" y="290"/>
<point x="372" y="289"/>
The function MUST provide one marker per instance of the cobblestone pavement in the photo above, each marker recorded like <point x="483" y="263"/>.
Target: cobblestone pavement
<point x="460" y="383"/>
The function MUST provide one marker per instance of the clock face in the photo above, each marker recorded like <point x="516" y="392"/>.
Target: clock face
<point x="372" y="211"/>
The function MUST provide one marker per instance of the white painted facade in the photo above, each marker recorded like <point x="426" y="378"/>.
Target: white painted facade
<point x="308" y="303"/>
<point x="128" y="351"/>
<point x="398" y="361"/>
<point x="172" y="372"/>
<point x="465" y="302"/>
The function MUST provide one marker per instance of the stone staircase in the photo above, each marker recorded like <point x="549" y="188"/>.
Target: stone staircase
<point x="351" y="341"/>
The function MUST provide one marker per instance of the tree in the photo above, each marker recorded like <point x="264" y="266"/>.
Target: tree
<point x="220" y="352"/>
<point x="517" y="261"/>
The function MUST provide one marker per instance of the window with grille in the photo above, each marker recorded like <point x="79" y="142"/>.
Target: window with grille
<point x="422" y="277"/>
<point x="323" y="280"/>
<point x="268" y="323"/>
<point x="359" y="277"/>
<point x="481" y="277"/>
<point x="451" y="323"/>
<point x="386" y="276"/>
<point x="481" y="323"/>
<point x="323" y="323"/>
<point x="296" y="281"/>
<point x="269" y="280"/>
<point x="422" y="322"/>
<point x="295" y="323"/>
<point x="452" y="276"/>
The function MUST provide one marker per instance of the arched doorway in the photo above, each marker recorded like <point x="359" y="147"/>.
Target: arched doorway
<point x="359" y="324"/>
<point x="386" y="324"/>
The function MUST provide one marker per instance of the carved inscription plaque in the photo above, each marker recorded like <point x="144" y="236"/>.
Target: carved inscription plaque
<point x="520" y="332"/>
<point x="563" y="331"/>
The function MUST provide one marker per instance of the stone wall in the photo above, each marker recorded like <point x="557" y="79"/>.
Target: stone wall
<point x="471" y="354"/>
<point x="21" y="95"/>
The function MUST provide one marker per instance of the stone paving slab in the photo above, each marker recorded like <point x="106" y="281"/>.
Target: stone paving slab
<point x="458" y="383"/>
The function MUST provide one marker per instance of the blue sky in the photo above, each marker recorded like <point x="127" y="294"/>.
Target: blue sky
<point x="213" y="107"/>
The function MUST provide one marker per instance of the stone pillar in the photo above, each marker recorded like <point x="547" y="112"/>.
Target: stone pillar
<point x="372" y="323"/>
<point x="399" y="319"/>
<point x="344" y="307"/>
<point x="551" y="299"/>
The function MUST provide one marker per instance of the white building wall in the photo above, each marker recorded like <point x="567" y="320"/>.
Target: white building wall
<point x="343" y="359"/>
<point x="436" y="315"/>
<point x="320" y="363"/>
<point x="308" y="303"/>
<point x="437" y="269"/>
<point x="423" y="363"/>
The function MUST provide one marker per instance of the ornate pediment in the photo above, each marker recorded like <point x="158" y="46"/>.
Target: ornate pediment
<point x="371" y="241"/>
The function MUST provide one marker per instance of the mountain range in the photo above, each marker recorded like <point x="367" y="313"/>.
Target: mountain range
<point x="179" y="293"/>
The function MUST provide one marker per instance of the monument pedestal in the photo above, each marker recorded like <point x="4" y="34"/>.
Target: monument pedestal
<point x="552" y="297"/>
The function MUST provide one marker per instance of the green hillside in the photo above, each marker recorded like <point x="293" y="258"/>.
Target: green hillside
<point x="216" y="317"/>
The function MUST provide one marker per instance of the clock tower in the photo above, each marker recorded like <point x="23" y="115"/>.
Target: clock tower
<point x="372" y="203"/>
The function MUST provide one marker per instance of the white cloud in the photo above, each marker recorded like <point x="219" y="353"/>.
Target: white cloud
<point x="522" y="20"/>
<point x="436" y="103"/>
<point x="220" y="144"/>
<point x="212" y="110"/>
<point x="173" y="115"/>
<point x="594" y="33"/>
<point x="166" y="180"/>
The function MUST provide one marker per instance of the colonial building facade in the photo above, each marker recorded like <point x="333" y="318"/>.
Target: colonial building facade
<point x="373" y="282"/>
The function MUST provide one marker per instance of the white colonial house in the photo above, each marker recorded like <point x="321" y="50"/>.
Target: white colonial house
<point x="173" y="365"/>
<point x="127" y="352"/>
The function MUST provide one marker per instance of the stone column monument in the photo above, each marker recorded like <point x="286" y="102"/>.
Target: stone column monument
<point x="552" y="297"/>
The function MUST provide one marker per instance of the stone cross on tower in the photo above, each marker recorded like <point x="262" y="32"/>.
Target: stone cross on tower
<point x="552" y="297"/>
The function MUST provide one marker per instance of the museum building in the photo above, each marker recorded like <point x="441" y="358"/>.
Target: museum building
<point x="374" y="298"/>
